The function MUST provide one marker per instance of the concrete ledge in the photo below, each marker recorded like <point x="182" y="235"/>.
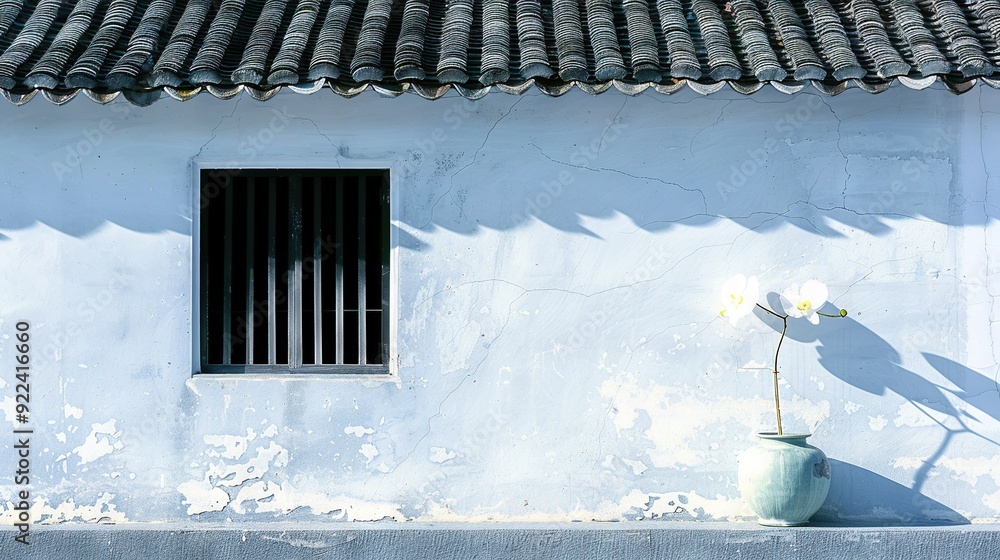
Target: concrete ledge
<point x="503" y="541"/>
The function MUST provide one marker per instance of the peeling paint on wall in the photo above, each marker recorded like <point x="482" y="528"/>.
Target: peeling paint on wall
<point x="102" y="440"/>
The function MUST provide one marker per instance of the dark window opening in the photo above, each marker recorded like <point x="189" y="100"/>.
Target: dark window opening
<point x="294" y="271"/>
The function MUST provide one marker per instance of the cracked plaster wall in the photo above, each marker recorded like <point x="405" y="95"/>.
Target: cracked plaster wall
<point x="559" y="352"/>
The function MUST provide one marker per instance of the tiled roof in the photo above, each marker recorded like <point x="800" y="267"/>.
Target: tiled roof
<point x="143" y="48"/>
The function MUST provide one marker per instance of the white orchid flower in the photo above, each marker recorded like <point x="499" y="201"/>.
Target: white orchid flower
<point x="805" y="301"/>
<point x="739" y="296"/>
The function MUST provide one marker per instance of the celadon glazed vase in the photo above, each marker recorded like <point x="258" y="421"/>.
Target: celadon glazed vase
<point x="783" y="479"/>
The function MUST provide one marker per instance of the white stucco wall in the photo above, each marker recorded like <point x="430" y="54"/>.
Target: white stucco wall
<point x="559" y="262"/>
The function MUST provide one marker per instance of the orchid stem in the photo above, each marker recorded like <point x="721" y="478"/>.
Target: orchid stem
<point x="777" y="399"/>
<point x="778" y="315"/>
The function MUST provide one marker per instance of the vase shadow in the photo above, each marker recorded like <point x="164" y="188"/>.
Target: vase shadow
<point x="859" y="498"/>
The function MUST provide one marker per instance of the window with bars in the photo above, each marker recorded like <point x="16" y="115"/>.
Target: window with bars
<point x="294" y="271"/>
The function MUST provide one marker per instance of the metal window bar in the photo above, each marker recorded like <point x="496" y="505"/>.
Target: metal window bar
<point x="272" y="273"/>
<point x="295" y="272"/>
<point x="251" y="308"/>
<point x="317" y="273"/>
<point x="362" y="280"/>
<point x="339" y="270"/>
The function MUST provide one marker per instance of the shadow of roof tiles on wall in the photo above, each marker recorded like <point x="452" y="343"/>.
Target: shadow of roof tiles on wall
<point x="144" y="48"/>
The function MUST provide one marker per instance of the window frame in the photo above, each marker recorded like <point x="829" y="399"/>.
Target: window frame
<point x="346" y="371"/>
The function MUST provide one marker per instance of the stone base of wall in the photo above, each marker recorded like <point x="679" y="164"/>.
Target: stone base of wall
<point x="547" y="541"/>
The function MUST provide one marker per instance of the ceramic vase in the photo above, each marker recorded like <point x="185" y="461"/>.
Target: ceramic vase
<point x="784" y="479"/>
